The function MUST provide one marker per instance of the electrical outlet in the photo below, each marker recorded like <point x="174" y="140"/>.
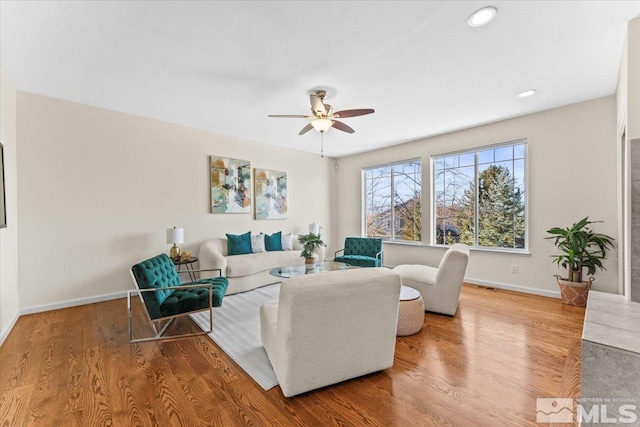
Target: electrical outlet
<point x="514" y="269"/>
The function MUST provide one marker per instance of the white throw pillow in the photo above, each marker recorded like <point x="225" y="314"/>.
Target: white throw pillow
<point x="287" y="242"/>
<point x="257" y="243"/>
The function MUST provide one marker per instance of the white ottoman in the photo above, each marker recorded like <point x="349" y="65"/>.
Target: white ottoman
<point x="410" y="312"/>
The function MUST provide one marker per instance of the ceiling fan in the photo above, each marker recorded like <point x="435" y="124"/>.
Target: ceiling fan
<point x="323" y="117"/>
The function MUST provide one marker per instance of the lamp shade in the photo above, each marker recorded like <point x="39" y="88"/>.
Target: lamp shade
<point x="175" y="235"/>
<point x="321" y="125"/>
<point x="314" y="228"/>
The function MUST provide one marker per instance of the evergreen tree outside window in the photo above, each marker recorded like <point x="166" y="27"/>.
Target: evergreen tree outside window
<point x="479" y="197"/>
<point x="393" y="201"/>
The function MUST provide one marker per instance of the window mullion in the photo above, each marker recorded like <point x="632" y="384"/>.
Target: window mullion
<point x="476" y="201"/>
<point x="393" y="204"/>
<point x="513" y="193"/>
<point x="368" y="188"/>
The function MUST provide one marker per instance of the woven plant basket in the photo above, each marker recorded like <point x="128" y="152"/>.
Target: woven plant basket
<point x="574" y="293"/>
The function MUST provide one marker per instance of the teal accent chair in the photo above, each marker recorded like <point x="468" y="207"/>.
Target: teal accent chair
<point x="361" y="252"/>
<point x="166" y="298"/>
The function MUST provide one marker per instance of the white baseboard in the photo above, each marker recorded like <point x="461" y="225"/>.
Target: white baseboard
<point x="510" y="287"/>
<point x="507" y="286"/>
<point x="73" y="302"/>
<point x="58" y="305"/>
<point x="5" y="332"/>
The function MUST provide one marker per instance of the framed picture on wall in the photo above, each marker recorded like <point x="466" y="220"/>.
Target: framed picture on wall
<point x="270" y="194"/>
<point x="3" y="206"/>
<point x="230" y="185"/>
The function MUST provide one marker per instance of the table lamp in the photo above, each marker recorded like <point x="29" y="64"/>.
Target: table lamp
<point x="314" y="228"/>
<point x="175" y="235"/>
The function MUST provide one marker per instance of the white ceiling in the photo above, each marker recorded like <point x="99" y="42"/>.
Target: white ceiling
<point x="223" y="66"/>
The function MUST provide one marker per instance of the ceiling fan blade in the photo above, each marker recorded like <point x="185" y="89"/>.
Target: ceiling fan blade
<point x="290" y="116"/>
<point x="353" y="113"/>
<point x="316" y="104"/>
<point x="341" y="126"/>
<point x="306" y="129"/>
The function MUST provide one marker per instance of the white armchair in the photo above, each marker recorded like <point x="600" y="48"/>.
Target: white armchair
<point x="439" y="287"/>
<point x="330" y="327"/>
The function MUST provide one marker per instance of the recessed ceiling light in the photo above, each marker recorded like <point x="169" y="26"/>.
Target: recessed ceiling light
<point x="482" y="16"/>
<point x="526" y="93"/>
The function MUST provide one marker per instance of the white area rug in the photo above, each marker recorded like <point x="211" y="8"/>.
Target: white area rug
<point x="236" y="329"/>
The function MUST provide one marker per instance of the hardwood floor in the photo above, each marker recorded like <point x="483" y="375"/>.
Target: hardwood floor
<point x="484" y="367"/>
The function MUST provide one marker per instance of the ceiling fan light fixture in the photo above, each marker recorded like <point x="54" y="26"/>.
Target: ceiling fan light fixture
<point x="321" y="125"/>
<point x="482" y="16"/>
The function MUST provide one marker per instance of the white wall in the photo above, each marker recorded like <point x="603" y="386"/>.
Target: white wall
<point x="628" y="96"/>
<point x="632" y="55"/>
<point x="621" y="90"/>
<point x="99" y="188"/>
<point x="624" y="194"/>
<point x="9" y="306"/>
<point x="572" y="174"/>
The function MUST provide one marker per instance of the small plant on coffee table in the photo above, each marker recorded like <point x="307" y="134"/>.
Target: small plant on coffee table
<point x="310" y="242"/>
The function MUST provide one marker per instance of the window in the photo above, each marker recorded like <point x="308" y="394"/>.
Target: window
<point x="479" y="197"/>
<point x="392" y="201"/>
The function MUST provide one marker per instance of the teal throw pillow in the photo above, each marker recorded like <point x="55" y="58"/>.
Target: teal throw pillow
<point x="239" y="244"/>
<point x="273" y="242"/>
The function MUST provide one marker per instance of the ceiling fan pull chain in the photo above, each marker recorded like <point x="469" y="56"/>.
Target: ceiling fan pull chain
<point x="322" y="145"/>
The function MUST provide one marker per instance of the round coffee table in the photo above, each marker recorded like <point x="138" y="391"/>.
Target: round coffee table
<point x="410" y="312"/>
<point x="301" y="270"/>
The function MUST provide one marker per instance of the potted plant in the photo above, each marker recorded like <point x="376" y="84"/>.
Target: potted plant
<point x="310" y="242"/>
<point x="581" y="247"/>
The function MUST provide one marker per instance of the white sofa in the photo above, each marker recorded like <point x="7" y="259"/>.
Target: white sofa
<point x="249" y="271"/>
<point x="330" y="327"/>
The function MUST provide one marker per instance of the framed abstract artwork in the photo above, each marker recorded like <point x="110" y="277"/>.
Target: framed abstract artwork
<point x="230" y="181"/>
<point x="270" y="194"/>
<point x="3" y="199"/>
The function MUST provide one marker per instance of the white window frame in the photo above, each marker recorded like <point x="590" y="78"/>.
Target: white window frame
<point x="364" y="199"/>
<point x="475" y="151"/>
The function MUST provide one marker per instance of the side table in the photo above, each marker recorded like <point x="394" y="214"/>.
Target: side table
<point x="188" y="265"/>
<point x="410" y="312"/>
